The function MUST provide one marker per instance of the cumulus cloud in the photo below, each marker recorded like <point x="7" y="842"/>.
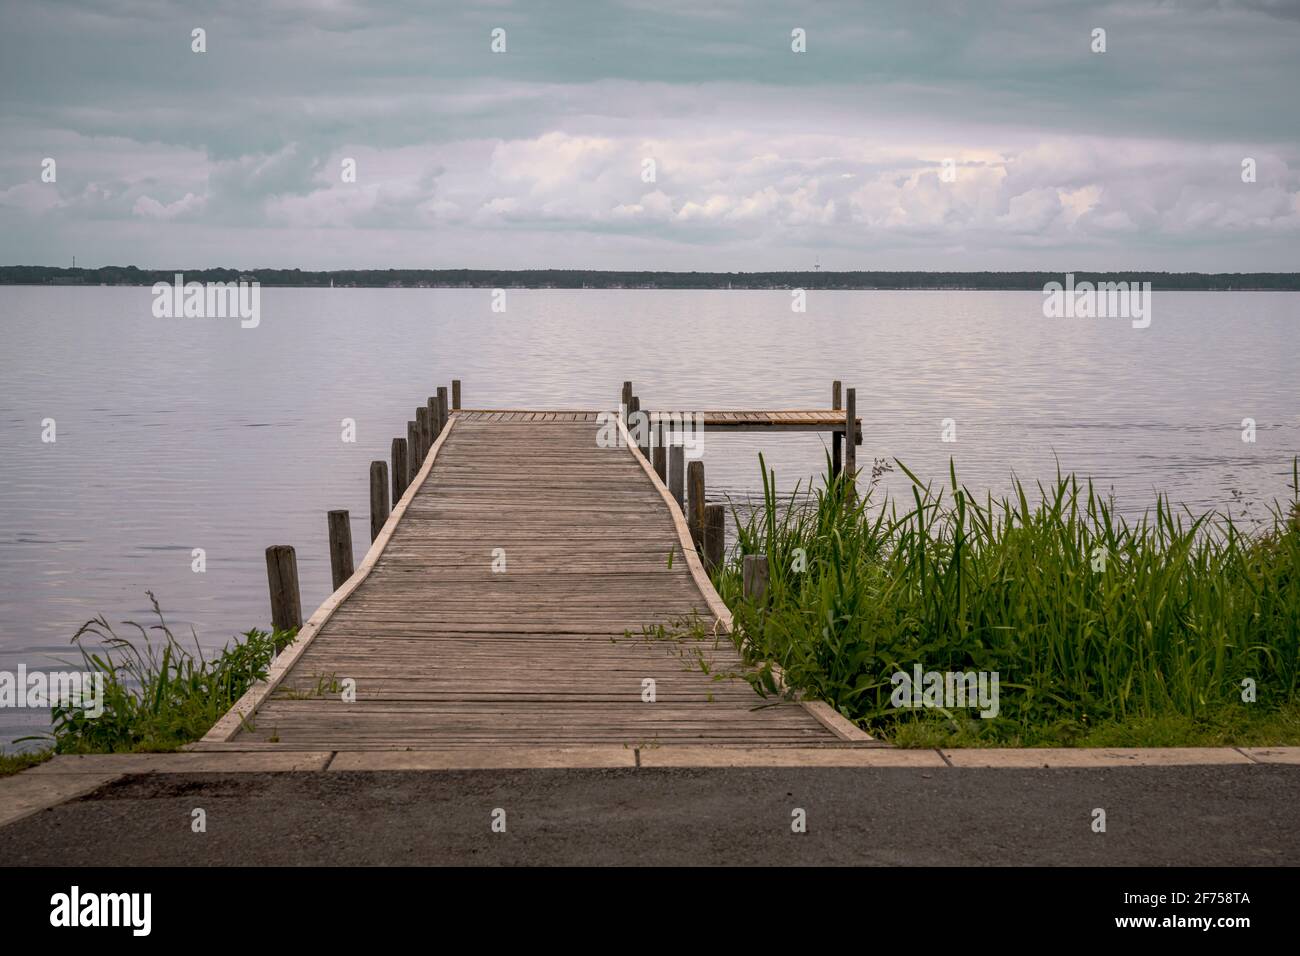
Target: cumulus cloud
<point x="147" y="207"/>
<point x="1075" y="186"/>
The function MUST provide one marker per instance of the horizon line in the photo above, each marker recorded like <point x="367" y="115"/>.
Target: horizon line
<point x="636" y="272"/>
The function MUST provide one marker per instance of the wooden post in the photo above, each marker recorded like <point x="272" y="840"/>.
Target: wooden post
<point x="426" y="431"/>
<point x="695" y="502"/>
<point x="659" y="451"/>
<point x="444" y="409"/>
<point x="715" y="536"/>
<point x="645" y="434"/>
<point x="455" y="394"/>
<point x="837" y="438"/>
<point x="677" y="472"/>
<point x="282" y="577"/>
<point x="378" y="497"/>
<point x="633" y="408"/>
<point x="624" y="400"/>
<point x="850" y="448"/>
<point x="341" y="567"/>
<point x="413" y="460"/>
<point x="401" y="471"/>
<point x="642" y="446"/>
<point x="435" y="426"/>
<point x="754" y="577"/>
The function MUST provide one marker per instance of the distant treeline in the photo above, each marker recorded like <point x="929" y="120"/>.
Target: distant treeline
<point x="590" y="279"/>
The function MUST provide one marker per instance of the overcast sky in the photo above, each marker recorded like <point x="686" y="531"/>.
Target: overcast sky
<point x="764" y="158"/>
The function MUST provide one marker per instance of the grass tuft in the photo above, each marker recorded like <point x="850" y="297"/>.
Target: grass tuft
<point x="1104" y="631"/>
<point x="158" y="695"/>
<point x="18" y="762"/>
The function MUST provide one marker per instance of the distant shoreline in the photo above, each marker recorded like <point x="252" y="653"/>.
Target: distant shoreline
<point x="607" y="279"/>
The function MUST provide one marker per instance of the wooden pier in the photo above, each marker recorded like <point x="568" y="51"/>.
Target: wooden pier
<point x="528" y="587"/>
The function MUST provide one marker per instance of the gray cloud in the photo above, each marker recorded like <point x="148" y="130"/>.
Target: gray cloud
<point x="764" y="157"/>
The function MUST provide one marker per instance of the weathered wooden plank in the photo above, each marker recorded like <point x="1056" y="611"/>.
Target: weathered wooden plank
<point x="518" y="595"/>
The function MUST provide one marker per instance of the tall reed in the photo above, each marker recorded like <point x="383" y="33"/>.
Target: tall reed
<point x="158" y="695"/>
<point x="1086" y="616"/>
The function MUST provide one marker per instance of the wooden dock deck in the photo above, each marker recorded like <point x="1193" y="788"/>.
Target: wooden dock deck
<point x="784" y="420"/>
<point x="511" y="598"/>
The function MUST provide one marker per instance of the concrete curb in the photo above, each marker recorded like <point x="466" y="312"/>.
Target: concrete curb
<point x="789" y="757"/>
<point x="26" y="793"/>
<point x="487" y="758"/>
<point x="67" y="777"/>
<point x="1051" y="758"/>
<point x="597" y="756"/>
<point x="194" y="762"/>
<point x="1272" y="754"/>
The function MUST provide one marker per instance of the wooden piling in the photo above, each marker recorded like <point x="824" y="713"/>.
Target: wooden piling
<point x="633" y="415"/>
<point x="660" y="452"/>
<point x="715" y="536"/>
<point x="837" y="438"/>
<point x="444" y="408"/>
<point x="455" y="394"/>
<point x="434" y="424"/>
<point x="645" y="436"/>
<point x="850" y="445"/>
<point x="695" y="502"/>
<point x="413" y="460"/>
<point x="282" y="579"/>
<point x="677" y="472"/>
<point x="378" y="497"/>
<point x="422" y="419"/>
<point x="625" y="399"/>
<point x="754" y="577"/>
<point x="341" y="566"/>
<point x="401" y="471"/>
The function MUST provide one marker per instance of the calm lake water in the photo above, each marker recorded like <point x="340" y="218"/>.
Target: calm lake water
<point x="175" y="434"/>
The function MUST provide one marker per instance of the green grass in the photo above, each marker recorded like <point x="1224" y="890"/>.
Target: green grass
<point x="1225" y="727"/>
<point x="158" y="695"/>
<point x="16" y="763"/>
<point x="1104" y="631"/>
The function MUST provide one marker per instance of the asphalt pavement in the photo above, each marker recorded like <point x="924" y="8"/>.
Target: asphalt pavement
<point x="881" y="816"/>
